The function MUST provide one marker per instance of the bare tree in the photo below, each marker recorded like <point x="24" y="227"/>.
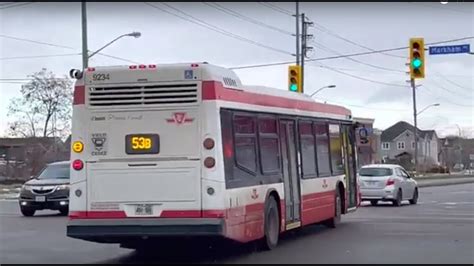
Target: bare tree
<point x="44" y="108"/>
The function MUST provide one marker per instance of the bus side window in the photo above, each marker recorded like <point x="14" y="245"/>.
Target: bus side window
<point x="335" y="145"/>
<point x="269" y="146"/>
<point x="245" y="143"/>
<point x="307" y="147"/>
<point x="322" y="148"/>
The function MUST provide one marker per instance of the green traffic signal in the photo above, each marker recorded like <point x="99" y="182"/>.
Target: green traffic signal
<point x="416" y="63"/>
<point x="293" y="87"/>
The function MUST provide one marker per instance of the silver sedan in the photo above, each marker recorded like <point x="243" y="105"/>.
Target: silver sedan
<point x="387" y="182"/>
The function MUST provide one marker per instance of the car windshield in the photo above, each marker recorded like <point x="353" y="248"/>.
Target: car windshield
<point x="375" y="171"/>
<point x="55" y="172"/>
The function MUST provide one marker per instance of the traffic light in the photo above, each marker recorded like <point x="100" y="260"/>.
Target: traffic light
<point x="294" y="78"/>
<point x="417" y="58"/>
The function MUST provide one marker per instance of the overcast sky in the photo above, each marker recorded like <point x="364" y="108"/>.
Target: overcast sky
<point x="168" y="39"/>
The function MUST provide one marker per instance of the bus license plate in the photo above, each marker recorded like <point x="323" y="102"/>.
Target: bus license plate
<point x="40" y="198"/>
<point x="144" y="209"/>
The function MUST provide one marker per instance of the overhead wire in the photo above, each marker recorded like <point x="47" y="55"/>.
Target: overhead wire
<point x="16" y="5"/>
<point x="358" y="77"/>
<point x="323" y="47"/>
<point x="209" y="26"/>
<point x="276" y="8"/>
<point x="347" y="55"/>
<point x="245" y="18"/>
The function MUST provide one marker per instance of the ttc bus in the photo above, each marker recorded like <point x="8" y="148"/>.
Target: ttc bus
<point x="184" y="150"/>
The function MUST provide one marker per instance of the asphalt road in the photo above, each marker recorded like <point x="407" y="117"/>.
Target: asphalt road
<point x="440" y="229"/>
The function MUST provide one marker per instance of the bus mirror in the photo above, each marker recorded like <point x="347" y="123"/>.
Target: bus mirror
<point x="75" y="73"/>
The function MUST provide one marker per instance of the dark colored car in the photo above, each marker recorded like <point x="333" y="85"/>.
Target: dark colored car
<point x="48" y="190"/>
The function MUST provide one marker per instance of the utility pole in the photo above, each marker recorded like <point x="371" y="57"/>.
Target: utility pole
<point x="297" y="33"/>
<point x="304" y="45"/>
<point x="415" y="129"/>
<point x="85" y="57"/>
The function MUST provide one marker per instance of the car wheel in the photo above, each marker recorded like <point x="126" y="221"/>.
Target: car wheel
<point x="336" y="220"/>
<point x="374" y="202"/>
<point x="27" y="212"/>
<point x="414" y="200"/>
<point x="398" y="201"/>
<point x="64" y="211"/>
<point x="271" y="225"/>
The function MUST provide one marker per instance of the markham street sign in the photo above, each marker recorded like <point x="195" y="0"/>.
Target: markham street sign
<point x="450" y="49"/>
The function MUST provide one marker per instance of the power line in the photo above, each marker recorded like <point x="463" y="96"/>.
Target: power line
<point x="6" y="3"/>
<point x="16" y="5"/>
<point x="54" y="45"/>
<point x="37" y="56"/>
<point x="361" y="78"/>
<point x="118" y="58"/>
<point x="444" y="7"/>
<point x="245" y="18"/>
<point x="323" y="47"/>
<point x="37" y="42"/>
<point x="276" y="8"/>
<point x="365" y="107"/>
<point x="429" y="91"/>
<point x="437" y="85"/>
<point x="450" y="81"/>
<point x="326" y="30"/>
<point x="349" y="55"/>
<point x="213" y="28"/>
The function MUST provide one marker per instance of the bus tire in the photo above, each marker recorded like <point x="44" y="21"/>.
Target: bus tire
<point x="336" y="220"/>
<point x="271" y="227"/>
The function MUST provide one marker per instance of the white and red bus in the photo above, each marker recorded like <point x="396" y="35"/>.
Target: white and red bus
<point x="187" y="150"/>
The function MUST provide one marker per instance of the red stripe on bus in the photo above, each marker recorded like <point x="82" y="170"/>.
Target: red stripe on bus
<point x="164" y="214"/>
<point x="79" y="95"/>
<point x="317" y="207"/>
<point x="214" y="90"/>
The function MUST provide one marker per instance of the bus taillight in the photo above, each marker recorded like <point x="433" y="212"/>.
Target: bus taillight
<point x="208" y="143"/>
<point x="77" y="165"/>
<point x="209" y="162"/>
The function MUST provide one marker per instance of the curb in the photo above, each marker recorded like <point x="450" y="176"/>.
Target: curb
<point x="445" y="183"/>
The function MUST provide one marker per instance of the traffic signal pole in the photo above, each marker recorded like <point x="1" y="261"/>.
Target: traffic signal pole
<point x="303" y="49"/>
<point x="417" y="71"/>
<point x="415" y="129"/>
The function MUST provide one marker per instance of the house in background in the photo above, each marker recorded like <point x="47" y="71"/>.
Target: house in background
<point x="457" y="153"/>
<point x="398" y="146"/>
<point x="23" y="157"/>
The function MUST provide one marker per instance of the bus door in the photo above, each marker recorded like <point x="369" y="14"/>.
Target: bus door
<point x="350" y="165"/>
<point x="290" y="174"/>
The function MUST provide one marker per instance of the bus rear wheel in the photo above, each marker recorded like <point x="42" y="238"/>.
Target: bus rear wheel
<point x="271" y="225"/>
<point x="336" y="220"/>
